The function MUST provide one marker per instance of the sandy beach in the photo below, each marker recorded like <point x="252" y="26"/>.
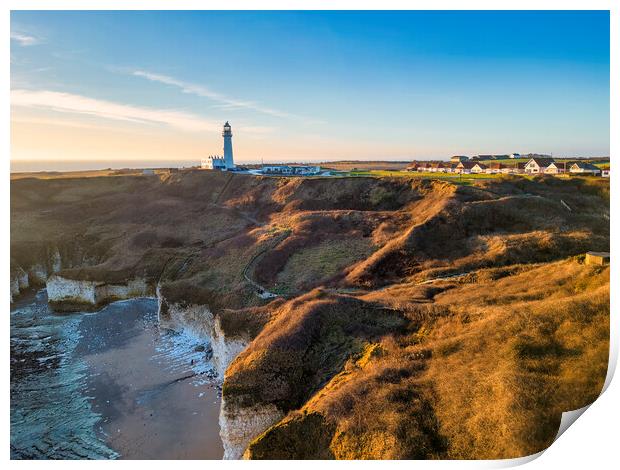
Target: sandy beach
<point x="144" y="393"/>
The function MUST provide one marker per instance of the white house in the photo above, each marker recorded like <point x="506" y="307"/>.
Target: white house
<point x="478" y="168"/>
<point x="605" y="173"/>
<point x="213" y="162"/>
<point x="585" y="168"/>
<point x="464" y="167"/>
<point x="537" y="165"/>
<point x="557" y="167"/>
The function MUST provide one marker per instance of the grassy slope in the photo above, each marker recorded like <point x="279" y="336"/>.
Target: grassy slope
<point x="484" y="371"/>
<point x="373" y="364"/>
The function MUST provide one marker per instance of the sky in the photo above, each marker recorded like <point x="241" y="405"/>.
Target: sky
<point x="307" y="86"/>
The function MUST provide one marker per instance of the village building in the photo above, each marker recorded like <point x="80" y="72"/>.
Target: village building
<point x="478" y="168"/>
<point x="494" y="168"/>
<point x="585" y="168"/>
<point x="426" y="166"/>
<point x="213" y="162"/>
<point x="513" y="168"/>
<point x="515" y="155"/>
<point x="558" y="167"/>
<point x="290" y="170"/>
<point x="465" y="167"/>
<point x="438" y="167"/>
<point x="605" y="173"/>
<point x="538" y="165"/>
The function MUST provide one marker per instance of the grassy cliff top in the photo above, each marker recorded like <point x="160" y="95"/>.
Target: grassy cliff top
<point x="482" y="369"/>
<point x="417" y="318"/>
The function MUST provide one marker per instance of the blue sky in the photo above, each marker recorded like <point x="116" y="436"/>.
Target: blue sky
<point x="308" y="85"/>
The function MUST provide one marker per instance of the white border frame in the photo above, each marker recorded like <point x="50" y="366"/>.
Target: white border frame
<point x="592" y="442"/>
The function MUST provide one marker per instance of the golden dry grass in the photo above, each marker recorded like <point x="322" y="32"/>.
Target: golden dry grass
<point x="483" y="372"/>
<point x="308" y="267"/>
<point x="477" y="366"/>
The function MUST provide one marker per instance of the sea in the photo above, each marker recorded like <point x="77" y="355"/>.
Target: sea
<point x="20" y="166"/>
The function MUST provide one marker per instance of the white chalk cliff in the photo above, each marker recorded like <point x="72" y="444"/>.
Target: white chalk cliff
<point x="65" y="293"/>
<point x="238" y="426"/>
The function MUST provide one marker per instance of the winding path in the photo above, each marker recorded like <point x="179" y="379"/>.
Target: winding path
<point x="262" y="291"/>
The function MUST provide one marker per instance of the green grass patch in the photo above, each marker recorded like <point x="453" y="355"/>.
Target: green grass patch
<point x="455" y="178"/>
<point x="311" y="265"/>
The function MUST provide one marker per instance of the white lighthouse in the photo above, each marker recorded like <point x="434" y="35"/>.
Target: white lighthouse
<point x="228" y="154"/>
<point x="226" y="162"/>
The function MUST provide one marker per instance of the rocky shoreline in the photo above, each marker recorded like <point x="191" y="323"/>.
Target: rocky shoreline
<point x="238" y="426"/>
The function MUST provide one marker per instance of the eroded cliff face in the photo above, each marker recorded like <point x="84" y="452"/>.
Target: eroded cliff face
<point x="225" y="349"/>
<point x="239" y="426"/>
<point x="19" y="281"/>
<point x="200" y="320"/>
<point x="35" y="273"/>
<point x="66" y="295"/>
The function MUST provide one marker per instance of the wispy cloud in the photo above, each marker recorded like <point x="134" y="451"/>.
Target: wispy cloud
<point x="56" y="122"/>
<point x="77" y="104"/>
<point x="224" y="102"/>
<point x="257" y="129"/>
<point x="24" y="39"/>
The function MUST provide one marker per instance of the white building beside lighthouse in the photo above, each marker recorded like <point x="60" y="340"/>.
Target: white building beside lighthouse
<point x="214" y="162"/>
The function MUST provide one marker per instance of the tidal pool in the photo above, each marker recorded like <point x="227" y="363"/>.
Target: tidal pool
<point x="109" y="384"/>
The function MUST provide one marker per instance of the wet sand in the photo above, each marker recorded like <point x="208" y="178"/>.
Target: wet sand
<point x="150" y="393"/>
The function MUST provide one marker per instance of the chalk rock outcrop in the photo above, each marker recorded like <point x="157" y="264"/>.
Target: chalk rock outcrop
<point x="202" y="322"/>
<point x="240" y="426"/>
<point x="225" y="349"/>
<point x="19" y="281"/>
<point x="36" y="274"/>
<point x="68" y="295"/>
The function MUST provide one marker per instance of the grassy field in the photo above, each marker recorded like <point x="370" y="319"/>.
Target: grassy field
<point x="84" y="173"/>
<point x="322" y="261"/>
<point x="452" y="177"/>
<point x="354" y="165"/>
<point x="460" y="179"/>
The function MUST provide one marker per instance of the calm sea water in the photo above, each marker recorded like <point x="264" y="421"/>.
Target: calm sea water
<point x="109" y="385"/>
<point x="82" y="165"/>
